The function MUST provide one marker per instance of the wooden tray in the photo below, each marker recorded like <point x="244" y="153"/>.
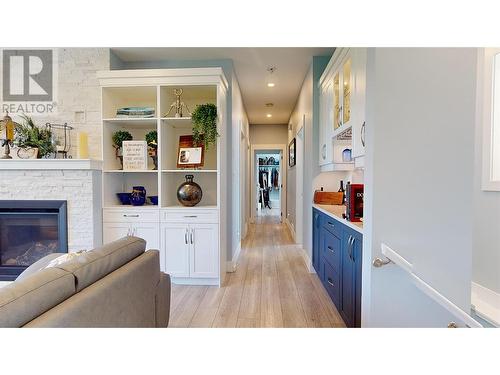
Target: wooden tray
<point x="328" y="197"/>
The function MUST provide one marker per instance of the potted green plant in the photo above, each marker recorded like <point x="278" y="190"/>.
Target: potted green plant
<point x="33" y="141"/>
<point x="204" y="119"/>
<point x="152" y="141"/>
<point x="118" y="138"/>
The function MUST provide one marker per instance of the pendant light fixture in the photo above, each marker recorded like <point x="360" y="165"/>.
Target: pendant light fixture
<point x="271" y="78"/>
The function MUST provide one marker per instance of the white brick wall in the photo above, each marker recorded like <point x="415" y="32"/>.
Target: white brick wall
<point x="75" y="186"/>
<point x="79" y="91"/>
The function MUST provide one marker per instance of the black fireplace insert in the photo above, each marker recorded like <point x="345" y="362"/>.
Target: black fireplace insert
<point x="30" y="230"/>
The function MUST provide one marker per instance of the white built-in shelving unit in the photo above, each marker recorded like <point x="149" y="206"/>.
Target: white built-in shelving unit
<point x="191" y="240"/>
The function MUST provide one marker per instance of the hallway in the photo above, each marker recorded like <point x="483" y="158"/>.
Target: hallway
<point x="270" y="288"/>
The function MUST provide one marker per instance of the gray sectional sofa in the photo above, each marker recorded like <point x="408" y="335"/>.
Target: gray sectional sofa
<point x="117" y="285"/>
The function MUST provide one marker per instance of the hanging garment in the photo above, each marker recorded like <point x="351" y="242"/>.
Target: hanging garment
<point x="275" y="178"/>
<point x="263" y="179"/>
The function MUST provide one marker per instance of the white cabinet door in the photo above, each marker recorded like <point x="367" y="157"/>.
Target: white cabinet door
<point x="326" y="124"/>
<point x="151" y="233"/>
<point x="148" y="232"/>
<point x="114" y="231"/>
<point x="174" y="242"/>
<point x="358" y="102"/>
<point x="204" y="251"/>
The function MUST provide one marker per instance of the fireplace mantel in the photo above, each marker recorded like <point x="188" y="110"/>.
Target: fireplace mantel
<point x="51" y="164"/>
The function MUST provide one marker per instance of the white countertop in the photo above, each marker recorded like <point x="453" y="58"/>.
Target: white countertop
<point x="50" y="164"/>
<point x="4" y="283"/>
<point x="336" y="212"/>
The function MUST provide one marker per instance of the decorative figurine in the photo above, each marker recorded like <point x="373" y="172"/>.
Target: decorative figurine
<point x="178" y="104"/>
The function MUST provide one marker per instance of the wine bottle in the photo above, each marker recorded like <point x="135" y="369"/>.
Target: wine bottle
<point x="341" y="190"/>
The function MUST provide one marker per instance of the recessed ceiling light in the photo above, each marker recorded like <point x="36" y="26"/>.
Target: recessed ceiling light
<point x="271" y="84"/>
<point x="269" y="115"/>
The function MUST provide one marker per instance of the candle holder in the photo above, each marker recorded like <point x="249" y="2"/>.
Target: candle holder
<point x="6" y="149"/>
<point x="7" y="130"/>
<point x="61" y="138"/>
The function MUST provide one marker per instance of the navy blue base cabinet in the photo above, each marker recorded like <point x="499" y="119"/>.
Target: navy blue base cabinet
<point x="337" y="255"/>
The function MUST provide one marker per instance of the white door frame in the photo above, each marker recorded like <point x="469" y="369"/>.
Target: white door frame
<point x="283" y="168"/>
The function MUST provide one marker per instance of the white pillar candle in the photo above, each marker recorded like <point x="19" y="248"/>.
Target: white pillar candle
<point x="83" y="145"/>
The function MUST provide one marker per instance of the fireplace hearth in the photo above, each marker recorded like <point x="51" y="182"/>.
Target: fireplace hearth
<point x="30" y="230"/>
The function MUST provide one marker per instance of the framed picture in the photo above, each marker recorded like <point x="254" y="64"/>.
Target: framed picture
<point x="291" y="153"/>
<point x="189" y="154"/>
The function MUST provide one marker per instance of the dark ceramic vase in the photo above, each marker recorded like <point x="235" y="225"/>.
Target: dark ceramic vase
<point x="189" y="193"/>
<point x="138" y="196"/>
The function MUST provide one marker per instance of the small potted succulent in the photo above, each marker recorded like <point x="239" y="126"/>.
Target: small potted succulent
<point x="152" y="141"/>
<point x="118" y="138"/>
<point x="204" y="119"/>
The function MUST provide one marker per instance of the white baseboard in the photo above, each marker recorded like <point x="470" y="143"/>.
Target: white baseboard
<point x="292" y="231"/>
<point x="307" y="261"/>
<point x="233" y="263"/>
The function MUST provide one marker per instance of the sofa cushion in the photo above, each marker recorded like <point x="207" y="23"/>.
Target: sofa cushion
<point x="95" y="264"/>
<point x="24" y="300"/>
<point x="40" y="264"/>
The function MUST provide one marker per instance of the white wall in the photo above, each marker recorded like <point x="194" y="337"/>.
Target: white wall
<point x="79" y="93"/>
<point x="418" y="181"/>
<point x="486" y="250"/>
<point x="239" y="127"/>
<point x="268" y="134"/>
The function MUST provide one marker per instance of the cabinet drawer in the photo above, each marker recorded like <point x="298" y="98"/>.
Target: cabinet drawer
<point x="331" y="225"/>
<point x="130" y="216"/>
<point x="331" y="248"/>
<point x="189" y="216"/>
<point x="331" y="281"/>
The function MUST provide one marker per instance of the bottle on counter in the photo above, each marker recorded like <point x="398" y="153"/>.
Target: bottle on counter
<point x="341" y="190"/>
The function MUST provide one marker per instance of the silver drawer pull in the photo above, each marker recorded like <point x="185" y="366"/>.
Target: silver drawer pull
<point x="124" y="215"/>
<point x="330" y="248"/>
<point x="193" y="216"/>
<point x="330" y="281"/>
<point x="330" y="224"/>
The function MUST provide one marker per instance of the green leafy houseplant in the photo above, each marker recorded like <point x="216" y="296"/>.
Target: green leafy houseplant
<point x="119" y="137"/>
<point x="28" y="134"/>
<point x="152" y="139"/>
<point x="204" y="119"/>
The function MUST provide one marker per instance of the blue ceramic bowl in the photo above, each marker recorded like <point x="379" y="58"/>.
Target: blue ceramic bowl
<point x="124" y="198"/>
<point x="154" y="199"/>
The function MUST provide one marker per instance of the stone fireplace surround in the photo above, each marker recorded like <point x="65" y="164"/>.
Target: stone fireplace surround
<point x="76" y="181"/>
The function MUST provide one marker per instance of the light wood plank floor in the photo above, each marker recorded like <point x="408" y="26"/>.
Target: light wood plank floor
<point x="270" y="288"/>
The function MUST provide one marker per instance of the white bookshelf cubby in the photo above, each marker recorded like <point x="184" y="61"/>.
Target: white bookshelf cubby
<point x="200" y="231"/>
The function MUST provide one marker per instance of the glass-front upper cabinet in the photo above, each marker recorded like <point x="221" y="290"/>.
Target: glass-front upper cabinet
<point x="346" y="90"/>
<point x="336" y="101"/>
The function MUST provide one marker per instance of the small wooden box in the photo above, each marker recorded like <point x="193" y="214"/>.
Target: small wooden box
<point x="328" y="197"/>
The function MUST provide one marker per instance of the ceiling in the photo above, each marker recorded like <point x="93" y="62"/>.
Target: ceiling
<point x="250" y="65"/>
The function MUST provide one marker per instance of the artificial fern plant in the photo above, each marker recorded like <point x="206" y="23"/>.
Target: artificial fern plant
<point x="204" y="119"/>
<point x="28" y="134"/>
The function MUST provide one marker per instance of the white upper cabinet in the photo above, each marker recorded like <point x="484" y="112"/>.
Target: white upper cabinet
<point x="342" y="91"/>
<point x="359" y="103"/>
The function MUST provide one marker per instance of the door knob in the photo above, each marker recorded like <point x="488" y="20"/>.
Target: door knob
<point x="377" y="262"/>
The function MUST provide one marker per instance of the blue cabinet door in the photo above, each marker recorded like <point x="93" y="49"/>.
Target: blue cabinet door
<point x="357" y="254"/>
<point x="316" y="239"/>
<point x="351" y="277"/>
<point x="347" y="309"/>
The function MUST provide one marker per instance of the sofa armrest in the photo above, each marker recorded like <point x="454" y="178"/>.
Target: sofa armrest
<point x="162" y="301"/>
